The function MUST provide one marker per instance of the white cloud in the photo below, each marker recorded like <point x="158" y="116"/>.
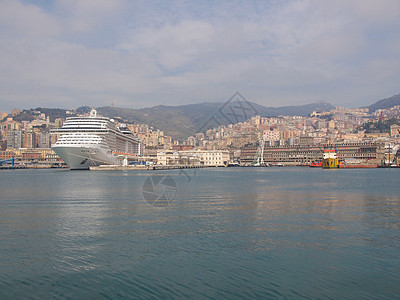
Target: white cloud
<point x="150" y="53"/>
<point x="24" y="21"/>
<point x="377" y="12"/>
<point x="172" y="45"/>
<point x="85" y="16"/>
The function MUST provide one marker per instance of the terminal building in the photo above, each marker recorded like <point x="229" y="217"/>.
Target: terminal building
<point x="217" y="158"/>
<point x="305" y="154"/>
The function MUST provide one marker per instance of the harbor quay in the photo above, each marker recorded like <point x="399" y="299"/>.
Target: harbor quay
<point x="358" y="154"/>
<point x="145" y="167"/>
<point x="26" y="158"/>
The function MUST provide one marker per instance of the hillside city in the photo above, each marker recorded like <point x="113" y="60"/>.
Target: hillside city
<point x="288" y="140"/>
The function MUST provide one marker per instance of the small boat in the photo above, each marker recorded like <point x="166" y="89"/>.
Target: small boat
<point x="316" y="164"/>
<point x="233" y="164"/>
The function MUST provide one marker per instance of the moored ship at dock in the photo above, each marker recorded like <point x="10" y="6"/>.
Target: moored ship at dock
<point x="329" y="159"/>
<point x="93" y="141"/>
<point x="316" y="164"/>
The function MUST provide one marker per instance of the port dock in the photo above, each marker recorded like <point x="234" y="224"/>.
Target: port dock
<point x="144" y="167"/>
<point x="12" y="167"/>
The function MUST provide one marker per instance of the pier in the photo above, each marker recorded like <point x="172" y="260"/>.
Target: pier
<point x="144" y="167"/>
<point x="9" y="167"/>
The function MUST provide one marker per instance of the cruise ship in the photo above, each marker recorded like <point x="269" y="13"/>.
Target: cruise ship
<point x="91" y="141"/>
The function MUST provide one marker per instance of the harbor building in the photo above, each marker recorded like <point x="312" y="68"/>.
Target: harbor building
<point x="395" y="130"/>
<point x="304" y="154"/>
<point x="194" y="157"/>
<point x="14" y="139"/>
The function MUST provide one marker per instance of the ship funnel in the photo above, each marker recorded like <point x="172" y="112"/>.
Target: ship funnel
<point x="93" y="113"/>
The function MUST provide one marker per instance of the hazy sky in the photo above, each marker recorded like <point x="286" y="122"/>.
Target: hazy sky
<point x="69" y="53"/>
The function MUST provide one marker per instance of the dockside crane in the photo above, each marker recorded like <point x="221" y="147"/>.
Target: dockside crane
<point x="8" y="160"/>
<point x="259" y="157"/>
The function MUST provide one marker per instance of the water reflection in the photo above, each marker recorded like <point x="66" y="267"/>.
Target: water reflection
<point x="246" y="232"/>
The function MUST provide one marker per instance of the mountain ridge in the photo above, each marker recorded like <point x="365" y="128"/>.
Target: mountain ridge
<point x="186" y="120"/>
<point x="385" y="103"/>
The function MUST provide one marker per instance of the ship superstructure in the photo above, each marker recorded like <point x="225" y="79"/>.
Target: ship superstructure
<point x="329" y="159"/>
<point x="94" y="140"/>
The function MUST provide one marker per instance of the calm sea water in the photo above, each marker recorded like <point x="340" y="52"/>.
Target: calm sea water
<point x="226" y="233"/>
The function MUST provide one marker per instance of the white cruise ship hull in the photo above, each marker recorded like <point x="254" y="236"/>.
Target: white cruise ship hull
<point x="83" y="157"/>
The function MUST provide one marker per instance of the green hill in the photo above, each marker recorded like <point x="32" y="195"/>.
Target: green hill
<point x="185" y="120"/>
<point x="385" y="103"/>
